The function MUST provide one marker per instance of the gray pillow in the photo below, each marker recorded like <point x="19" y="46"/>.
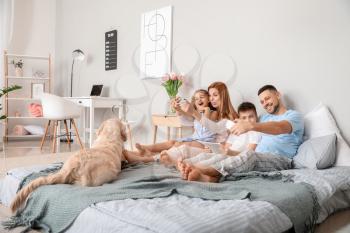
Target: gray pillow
<point x="316" y="152"/>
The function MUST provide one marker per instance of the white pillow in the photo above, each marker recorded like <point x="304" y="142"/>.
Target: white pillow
<point x="34" y="129"/>
<point x="316" y="153"/>
<point x="320" y="122"/>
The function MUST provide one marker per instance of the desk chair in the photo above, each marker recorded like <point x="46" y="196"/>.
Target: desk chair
<point x="56" y="109"/>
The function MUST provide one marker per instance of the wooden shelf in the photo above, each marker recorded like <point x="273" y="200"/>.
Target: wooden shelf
<point x="27" y="56"/>
<point x="25" y="136"/>
<point x="29" y="99"/>
<point x="13" y="117"/>
<point x="20" y="100"/>
<point x="27" y="78"/>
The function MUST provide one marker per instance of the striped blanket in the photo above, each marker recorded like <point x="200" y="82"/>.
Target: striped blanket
<point x="55" y="207"/>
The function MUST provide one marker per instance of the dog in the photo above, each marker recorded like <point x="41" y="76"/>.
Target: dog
<point x="89" y="167"/>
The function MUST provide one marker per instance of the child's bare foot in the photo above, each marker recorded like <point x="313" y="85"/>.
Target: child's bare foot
<point x="165" y="158"/>
<point x="143" y="150"/>
<point x="133" y="157"/>
<point x="140" y="148"/>
<point x="207" y="150"/>
<point x="183" y="169"/>
<point x="197" y="175"/>
<point x="180" y="165"/>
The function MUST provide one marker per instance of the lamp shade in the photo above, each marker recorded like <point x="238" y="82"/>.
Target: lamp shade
<point x="78" y="55"/>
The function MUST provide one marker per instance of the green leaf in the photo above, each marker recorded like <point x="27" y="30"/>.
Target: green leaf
<point x="9" y="89"/>
<point x="6" y="90"/>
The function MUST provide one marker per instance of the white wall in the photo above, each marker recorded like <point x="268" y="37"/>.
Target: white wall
<point x="34" y="27"/>
<point x="300" y="46"/>
<point x="34" y="34"/>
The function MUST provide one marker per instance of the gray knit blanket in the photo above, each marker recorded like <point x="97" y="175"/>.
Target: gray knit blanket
<point x="55" y="207"/>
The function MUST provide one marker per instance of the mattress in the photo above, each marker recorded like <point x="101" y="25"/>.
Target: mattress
<point x="169" y="214"/>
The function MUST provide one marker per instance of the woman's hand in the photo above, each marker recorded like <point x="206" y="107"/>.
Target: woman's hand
<point x="207" y="112"/>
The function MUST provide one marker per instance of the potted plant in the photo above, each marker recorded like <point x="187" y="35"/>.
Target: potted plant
<point x="4" y="92"/>
<point x="18" y="67"/>
<point x="172" y="82"/>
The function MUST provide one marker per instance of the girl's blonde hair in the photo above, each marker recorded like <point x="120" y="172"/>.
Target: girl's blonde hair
<point x="202" y="91"/>
<point x="225" y="110"/>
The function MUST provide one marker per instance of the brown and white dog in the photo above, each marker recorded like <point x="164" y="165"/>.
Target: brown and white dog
<point x="90" y="167"/>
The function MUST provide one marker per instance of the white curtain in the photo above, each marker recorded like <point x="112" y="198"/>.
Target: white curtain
<point x="6" y="29"/>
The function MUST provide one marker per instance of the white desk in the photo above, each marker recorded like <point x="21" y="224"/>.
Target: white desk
<point x="93" y="102"/>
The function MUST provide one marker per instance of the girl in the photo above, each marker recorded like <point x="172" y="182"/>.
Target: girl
<point x="200" y="104"/>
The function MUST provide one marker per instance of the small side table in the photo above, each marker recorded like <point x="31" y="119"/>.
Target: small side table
<point x="128" y="128"/>
<point x="167" y="121"/>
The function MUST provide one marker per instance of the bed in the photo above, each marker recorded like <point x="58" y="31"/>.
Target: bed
<point x="188" y="211"/>
<point x="179" y="213"/>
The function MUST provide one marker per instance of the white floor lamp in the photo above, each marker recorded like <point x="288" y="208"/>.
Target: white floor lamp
<point x="77" y="55"/>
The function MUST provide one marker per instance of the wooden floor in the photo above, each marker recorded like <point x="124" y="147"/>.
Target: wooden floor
<point x="22" y="155"/>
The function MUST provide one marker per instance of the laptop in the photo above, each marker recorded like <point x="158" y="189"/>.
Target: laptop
<point x="96" y="90"/>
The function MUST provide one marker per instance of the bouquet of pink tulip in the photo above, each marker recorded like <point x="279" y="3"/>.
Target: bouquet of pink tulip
<point x="172" y="82"/>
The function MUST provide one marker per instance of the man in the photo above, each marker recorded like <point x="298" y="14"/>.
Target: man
<point x="282" y="134"/>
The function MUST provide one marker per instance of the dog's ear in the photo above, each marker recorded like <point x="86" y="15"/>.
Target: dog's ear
<point x="123" y="132"/>
<point x="100" y="129"/>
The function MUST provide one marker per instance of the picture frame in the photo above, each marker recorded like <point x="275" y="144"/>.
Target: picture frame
<point x="37" y="89"/>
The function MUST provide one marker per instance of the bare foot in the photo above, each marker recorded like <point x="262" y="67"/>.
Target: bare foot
<point x="207" y="150"/>
<point x="143" y="150"/>
<point x="183" y="169"/>
<point x="134" y="157"/>
<point x="165" y="158"/>
<point x="197" y="175"/>
<point x="187" y="170"/>
<point x="180" y="165"/>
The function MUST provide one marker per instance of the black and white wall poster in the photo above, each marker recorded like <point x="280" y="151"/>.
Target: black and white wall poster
<point x="111" y="50"/>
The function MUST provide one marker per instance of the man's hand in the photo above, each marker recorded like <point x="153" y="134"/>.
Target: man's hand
<point x="241" y="127"/>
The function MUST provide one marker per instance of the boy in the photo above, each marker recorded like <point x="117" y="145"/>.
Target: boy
<point x="232" y="147"/>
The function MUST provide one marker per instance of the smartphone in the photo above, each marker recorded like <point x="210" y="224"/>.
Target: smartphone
<point x="214" y="147"/>
<point x="184" y="100"/>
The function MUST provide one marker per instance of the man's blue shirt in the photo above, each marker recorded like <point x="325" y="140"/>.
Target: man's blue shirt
<point x="283" y="144"/>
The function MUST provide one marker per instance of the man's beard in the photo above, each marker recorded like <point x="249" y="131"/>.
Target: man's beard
<point x="275" y="109"/>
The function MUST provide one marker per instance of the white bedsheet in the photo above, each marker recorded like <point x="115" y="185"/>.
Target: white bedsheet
<point x="142" y="215"/>
<point x="332" y="187"/>
<point x="172" y="212"/>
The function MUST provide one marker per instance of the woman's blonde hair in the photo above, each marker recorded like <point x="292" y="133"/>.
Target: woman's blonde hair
<point x="225" y="110"/>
